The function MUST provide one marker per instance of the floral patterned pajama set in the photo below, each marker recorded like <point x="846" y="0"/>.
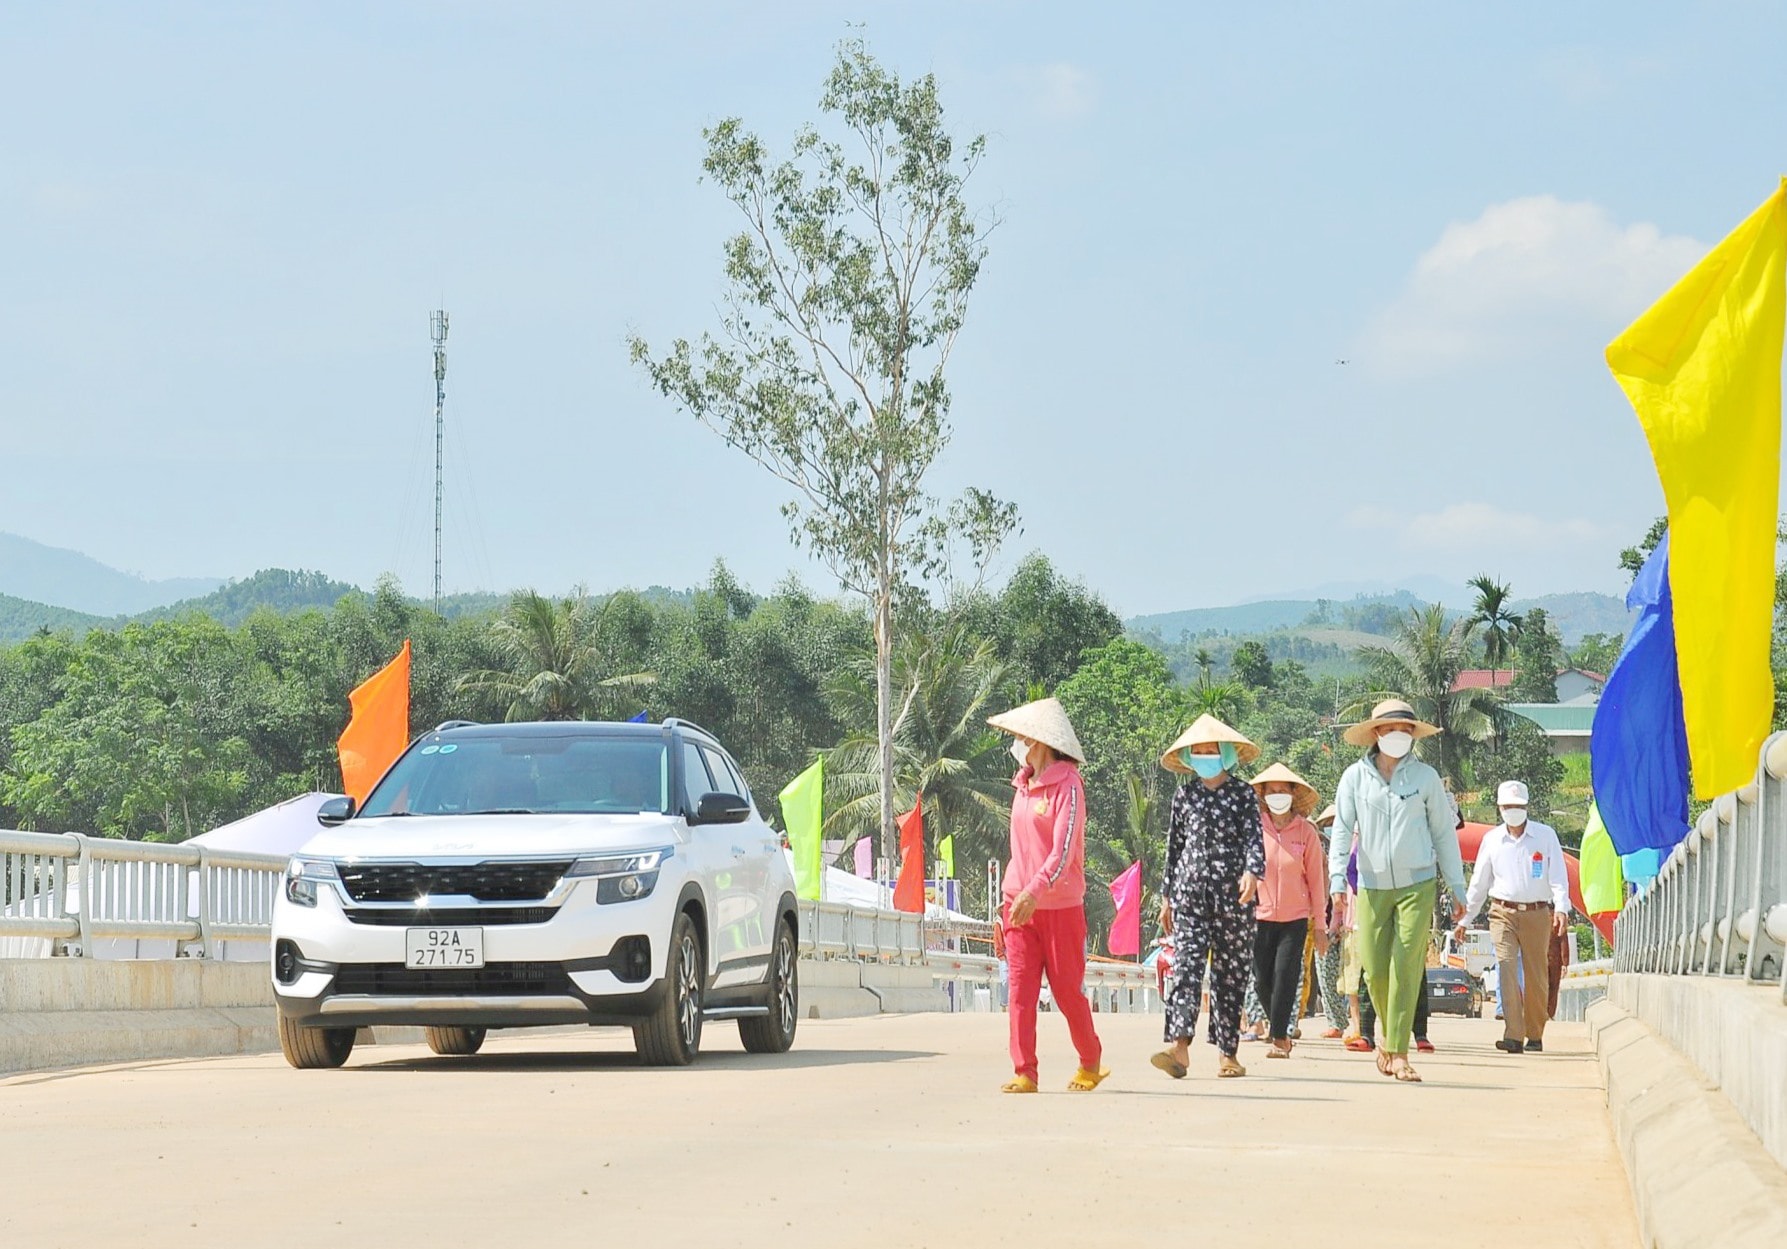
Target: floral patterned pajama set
<point x="1213" y="836"/>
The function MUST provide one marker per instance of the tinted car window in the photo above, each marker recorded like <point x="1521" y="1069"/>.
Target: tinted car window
<point x="526" y="774"/>
<point x="726" y="781"/>
<point x="695" y="778"/>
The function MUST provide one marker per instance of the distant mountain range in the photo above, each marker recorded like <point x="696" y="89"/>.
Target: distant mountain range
<point x="1574" y="615"/>
<point x="79" y="583"/>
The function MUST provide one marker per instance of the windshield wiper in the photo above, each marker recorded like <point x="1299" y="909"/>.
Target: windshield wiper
<point x="503" y="811"/>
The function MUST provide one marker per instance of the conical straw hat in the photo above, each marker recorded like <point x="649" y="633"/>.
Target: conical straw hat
<point x="1207" y="728"/>
<point x="1327" y="817"/>
<point x="1045" y="721"/>
<point x="1303" y="795"/>
<point x="1391" y="711"/>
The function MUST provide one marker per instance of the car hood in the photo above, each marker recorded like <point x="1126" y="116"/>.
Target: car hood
<point x="492" y="836"/>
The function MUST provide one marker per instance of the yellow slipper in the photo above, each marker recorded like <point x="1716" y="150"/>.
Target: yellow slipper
<point x="1022" y="1084"/>
<point x="1085" y="1081"/>
<point x="1228" y="1069"/>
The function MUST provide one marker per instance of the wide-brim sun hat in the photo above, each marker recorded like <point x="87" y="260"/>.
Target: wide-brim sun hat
<point x="1045" y="721"/>
<point x="1303" y="795"/>
<point x="1207" y="728"/>
<point x="1391" y="711"/>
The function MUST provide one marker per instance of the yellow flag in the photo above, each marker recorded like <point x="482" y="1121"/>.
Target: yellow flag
<point x="802" y="816"/>
<point x="1703" y="371"/>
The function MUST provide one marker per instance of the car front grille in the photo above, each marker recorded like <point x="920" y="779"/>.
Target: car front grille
<point x="424" y="917"/>
<point x="497" y="881"/>
<point x="492" y="979"/>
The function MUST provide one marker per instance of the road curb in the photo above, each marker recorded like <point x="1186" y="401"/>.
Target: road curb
<point x="1698" y="1174"/>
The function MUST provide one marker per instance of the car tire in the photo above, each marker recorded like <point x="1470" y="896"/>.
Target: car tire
<point x="307" y="1048"/>
<point x="671" y="1036"/>
<point x="455" y="1042"/>
<point x="774" y="1033"/>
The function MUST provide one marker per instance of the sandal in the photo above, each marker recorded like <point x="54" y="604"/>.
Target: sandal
<point x="1085" y="1081"/>
<point x="1406" y="1074"/>
<point x="1279" y="1050"/>
<point x="1022" y="1084"/>
<point x="1383" y="1064"/>
<point x="1227" y="1068"/>
<point x="1166" y="1062"/>
<point x="1359" y="1045"/>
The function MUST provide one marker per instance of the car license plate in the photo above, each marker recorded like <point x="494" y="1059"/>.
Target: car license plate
<point x="429" y="948"/>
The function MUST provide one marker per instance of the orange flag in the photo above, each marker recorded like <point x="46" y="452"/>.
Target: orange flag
<point x="909" y="890"/>
<point x="380" y="727"/>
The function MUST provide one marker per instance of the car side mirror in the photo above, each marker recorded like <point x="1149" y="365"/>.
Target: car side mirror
<point x="336" y="811"/>
<point x="722" y="809"/>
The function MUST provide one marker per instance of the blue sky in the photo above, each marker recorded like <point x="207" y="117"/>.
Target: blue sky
<point x="222" y="227"/>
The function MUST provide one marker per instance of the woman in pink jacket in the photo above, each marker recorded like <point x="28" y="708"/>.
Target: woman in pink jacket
<point x="1292" y="894"/>
<point x="1044" y="914"/>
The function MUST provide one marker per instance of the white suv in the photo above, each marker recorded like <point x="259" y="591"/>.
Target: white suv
<point x="507" y="875"/>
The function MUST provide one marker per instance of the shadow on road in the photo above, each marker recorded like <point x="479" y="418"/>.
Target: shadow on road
<point x="619" y="1060"/>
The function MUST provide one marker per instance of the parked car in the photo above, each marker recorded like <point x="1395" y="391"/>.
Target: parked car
<point x="1475" y="954"/>
<point x="1453" y="991"/>
<point x="508" y="875"/>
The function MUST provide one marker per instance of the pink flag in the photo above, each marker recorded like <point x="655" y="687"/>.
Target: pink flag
<point x="865" y="857"/>
<point x="1126" y="929"/>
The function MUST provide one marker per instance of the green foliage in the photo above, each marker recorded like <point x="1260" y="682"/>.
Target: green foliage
<point x="1631" y="560"/>
<point x="556" y="662"/>
<point x="1252" y="665"/>
<point x="1500" y="624"/>
<point x="1598" y="652"/>
<point x="20" y="618"/>
<point x="1539" y="656"/>
<point x="272" y="589"/>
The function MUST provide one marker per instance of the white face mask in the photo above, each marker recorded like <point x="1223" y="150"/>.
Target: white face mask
<point x="1020" y="750"/>
<point x="1513" y="817"/>
<point x="1278" y="804"/>
<point x="1396" y="744"/>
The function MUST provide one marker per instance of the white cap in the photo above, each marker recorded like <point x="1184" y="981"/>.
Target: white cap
<point x="1511" y="794"/>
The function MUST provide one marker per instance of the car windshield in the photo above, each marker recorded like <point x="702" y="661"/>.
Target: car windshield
<point x="526" y="774"/>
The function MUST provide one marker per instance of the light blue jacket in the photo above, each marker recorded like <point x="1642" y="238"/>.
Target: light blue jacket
<point x="1407" y="827"/>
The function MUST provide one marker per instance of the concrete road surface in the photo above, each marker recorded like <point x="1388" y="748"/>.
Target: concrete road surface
<point x="886" y="1131"/>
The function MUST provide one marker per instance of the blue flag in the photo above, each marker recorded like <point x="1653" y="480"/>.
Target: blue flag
<point x="1639" y="748"/>
<point x="638" y="719"/>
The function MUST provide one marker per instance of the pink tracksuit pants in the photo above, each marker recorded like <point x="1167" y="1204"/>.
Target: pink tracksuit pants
<point x="1053" y="942"/>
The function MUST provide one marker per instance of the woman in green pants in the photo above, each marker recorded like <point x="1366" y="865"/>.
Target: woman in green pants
<point x="1404" y="825"/>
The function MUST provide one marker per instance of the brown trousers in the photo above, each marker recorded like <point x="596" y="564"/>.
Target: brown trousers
<point x="1523" y="939"/>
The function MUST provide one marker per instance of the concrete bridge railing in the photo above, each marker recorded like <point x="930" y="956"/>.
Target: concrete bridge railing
<point x="1718" y="907"/>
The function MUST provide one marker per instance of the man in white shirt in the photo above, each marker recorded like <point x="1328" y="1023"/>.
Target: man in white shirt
<point x="1520" y="871"/>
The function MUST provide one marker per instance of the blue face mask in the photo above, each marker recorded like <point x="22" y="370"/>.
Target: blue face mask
<point x="1209" y="767"/>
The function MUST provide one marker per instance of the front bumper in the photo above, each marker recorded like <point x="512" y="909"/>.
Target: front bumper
<point x="564" y="969"/>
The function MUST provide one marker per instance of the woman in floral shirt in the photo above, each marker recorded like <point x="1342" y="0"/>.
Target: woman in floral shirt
<point x="1215" y="859"/>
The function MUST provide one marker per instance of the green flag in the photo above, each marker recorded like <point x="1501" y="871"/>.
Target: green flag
<point x="1603" y="884"/>
<point x="946" y="857"/>
<point x="801" y="803"/>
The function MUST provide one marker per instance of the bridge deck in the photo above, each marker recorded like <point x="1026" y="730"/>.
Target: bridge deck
<point x="876" y="1131"/>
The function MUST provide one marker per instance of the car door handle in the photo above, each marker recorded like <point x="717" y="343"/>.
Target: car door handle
<point x="738" y="852"/>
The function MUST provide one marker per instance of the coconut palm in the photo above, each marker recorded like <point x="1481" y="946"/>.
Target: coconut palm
<point x="554" y="656"/>
<point x="1422" y="665"/>
<point x="946" y="684"/>
<point x="1137" y="841"/>
<point x="1500" y="624"/>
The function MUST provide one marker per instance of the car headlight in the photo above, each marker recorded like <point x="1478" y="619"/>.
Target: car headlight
<point x="622" y="877"/>
<point x="302" y="876"/>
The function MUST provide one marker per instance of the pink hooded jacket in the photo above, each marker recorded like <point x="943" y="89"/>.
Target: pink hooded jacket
<point x="1048" y="837"/>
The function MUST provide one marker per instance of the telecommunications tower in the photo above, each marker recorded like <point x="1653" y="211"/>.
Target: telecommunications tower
<point x="437" y="326"/>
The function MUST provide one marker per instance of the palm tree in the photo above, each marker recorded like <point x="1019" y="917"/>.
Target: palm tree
<point x="1501" y="626"/>
<point x="1226" y="700"/>
<point x="945" y="686"/>
<point x="1204" y="660"/>
<point x="553" y="661"/>
<point x="1422" y="665"/>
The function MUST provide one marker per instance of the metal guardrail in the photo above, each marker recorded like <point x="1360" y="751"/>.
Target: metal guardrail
<point x="1718" y="906"/>
<point x="73" y="890"/>
<point x="833" y="930"/>
<point x="1582" y="985"/>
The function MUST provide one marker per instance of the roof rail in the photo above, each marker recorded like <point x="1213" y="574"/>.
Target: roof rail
<point x="444" y="725"/>
<point x="679" y="722"/>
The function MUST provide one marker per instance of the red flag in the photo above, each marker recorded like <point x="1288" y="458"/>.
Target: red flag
<point x="1126" y="929"/>
<point x="909" y="890"/>
<point x="379" y="728"/>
